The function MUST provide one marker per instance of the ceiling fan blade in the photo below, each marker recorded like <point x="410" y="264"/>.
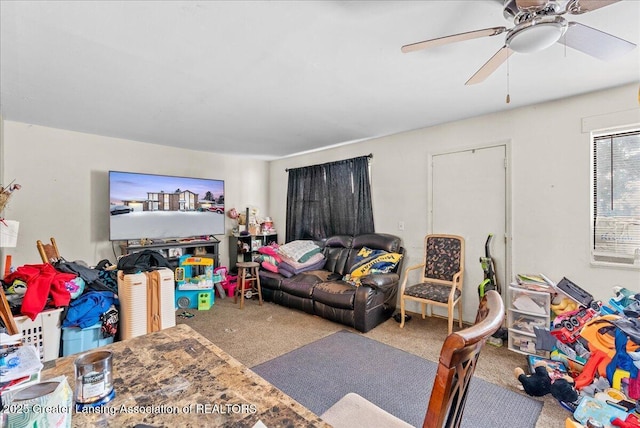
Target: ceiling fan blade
<point x="490" y="66"/>
<point x="487" y="32"/>
<point x="531" y="4"/>
<point x="577" y="7"/>
<point x="594" y="42"/>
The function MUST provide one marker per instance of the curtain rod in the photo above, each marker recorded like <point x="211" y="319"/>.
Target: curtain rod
<point x="370" y="156"/>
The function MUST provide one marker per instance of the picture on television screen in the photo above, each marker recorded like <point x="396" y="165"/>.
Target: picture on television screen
<point x="161" y="207"/>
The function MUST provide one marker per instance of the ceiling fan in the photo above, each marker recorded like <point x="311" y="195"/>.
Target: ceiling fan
<point x="538" y="25"/>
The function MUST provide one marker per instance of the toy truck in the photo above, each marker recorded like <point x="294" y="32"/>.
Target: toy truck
<point x="568" y="325"/>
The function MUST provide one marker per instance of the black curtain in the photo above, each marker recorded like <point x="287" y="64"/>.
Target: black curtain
<point x="329" y="199"/>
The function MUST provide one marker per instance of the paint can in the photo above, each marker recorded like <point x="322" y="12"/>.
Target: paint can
<point x="94" y="379"/>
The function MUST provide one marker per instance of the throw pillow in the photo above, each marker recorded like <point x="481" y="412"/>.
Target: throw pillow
<point x="270" y="250"/>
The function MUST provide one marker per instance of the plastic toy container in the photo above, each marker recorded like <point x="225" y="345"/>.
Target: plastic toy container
<point x="76" y="339"/>
<point x="43" y="332"/>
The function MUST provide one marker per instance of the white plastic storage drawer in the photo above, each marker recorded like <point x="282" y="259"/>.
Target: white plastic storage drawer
<point x="530" y="302"/>
<point x="524" y="343"/>
<point x="525" y="322"/>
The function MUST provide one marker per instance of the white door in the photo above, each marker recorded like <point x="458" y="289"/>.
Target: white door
<point x="469" y="199"/>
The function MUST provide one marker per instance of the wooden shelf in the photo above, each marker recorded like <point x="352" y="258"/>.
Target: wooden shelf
<point x="238" y="242"/>
<point x="173" y="250"/>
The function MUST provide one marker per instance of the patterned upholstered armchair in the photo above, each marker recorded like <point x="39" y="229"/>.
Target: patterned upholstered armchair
<point x="441" y="278"/>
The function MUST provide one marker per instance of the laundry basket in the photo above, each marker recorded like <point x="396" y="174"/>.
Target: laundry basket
<point x="43" y="332"/>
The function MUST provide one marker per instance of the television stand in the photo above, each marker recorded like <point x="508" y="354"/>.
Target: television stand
<point x="173" y="250"/>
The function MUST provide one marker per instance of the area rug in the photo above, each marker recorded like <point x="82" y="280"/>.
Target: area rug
<point x="317" y="375"/>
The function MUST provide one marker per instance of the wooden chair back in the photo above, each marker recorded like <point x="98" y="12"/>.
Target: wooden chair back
<point x="48" y="252"/>
<point x="458" y="358"/>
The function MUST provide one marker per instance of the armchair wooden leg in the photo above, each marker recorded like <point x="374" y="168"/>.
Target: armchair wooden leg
<point x="460" y="313"/>
<point x="401" y="312"/>
<point x="450" y="318"/>
<point x="423" y="306"/>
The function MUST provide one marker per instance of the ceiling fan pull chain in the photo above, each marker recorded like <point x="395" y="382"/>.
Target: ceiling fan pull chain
<point x="508" y="100"/>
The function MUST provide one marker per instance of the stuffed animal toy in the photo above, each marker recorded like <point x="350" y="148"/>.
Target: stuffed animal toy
<point x="541" y="382"/>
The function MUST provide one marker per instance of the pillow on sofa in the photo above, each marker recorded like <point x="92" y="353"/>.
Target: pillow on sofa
<point x="266" y="258"/>
<point x="267" y="262"/>
<point x="270" y="250"/>
<point x="374" y="261"/>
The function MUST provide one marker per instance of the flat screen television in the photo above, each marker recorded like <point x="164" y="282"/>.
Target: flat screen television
<point x="151" y="206"/>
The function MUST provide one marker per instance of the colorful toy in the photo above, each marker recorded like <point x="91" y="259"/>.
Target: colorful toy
<point x="590" y="369"/>
<point x="228" y="282"/>
<point x="576" y="293"/>
<point x="204" y="301"/>
<point x="598" y="410"/>
<point x="194" y="273"/>
<point x="194" y="299"/>
<point x="631" y="421"/>
<point x="565" y="304"/>
<point x="568" y="325"/>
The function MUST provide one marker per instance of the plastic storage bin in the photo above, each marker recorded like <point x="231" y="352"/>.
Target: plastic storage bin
<point x="525" y="323"/>
<point x="524" y="344"/>
<point x="75" y="339"/>
<point x="43" y="332"/>
<point x="531" y="302"/>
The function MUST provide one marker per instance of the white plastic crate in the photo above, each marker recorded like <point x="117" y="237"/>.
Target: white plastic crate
<point x="43" y="332"/>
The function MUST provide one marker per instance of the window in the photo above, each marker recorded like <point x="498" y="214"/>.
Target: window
<point x="329" y="199"/>
<point x="616" y="197"/>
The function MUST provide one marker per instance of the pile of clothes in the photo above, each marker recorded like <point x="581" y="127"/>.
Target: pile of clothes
<point x="292" y="258"/>
<point x="88" y="294"/>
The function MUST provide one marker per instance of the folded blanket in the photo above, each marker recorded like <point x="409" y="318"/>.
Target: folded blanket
<point x="300" y="250"/>
<point x="301" y="265"/>
<point x="287" y="270"/>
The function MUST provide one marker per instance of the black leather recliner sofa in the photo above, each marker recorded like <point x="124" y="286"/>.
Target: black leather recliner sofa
<point x="324" y="292"/>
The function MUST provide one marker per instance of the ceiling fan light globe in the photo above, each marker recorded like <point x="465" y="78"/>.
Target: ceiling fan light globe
<point x="534" y="36"/>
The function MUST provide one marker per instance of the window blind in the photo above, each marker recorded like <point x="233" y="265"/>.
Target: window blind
<point x="616" y="197"/>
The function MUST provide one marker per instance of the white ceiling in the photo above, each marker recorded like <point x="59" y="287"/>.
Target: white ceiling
<point x="274" y="78"/>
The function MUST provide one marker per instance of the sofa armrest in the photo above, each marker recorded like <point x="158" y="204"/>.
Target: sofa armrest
<point x="381" y="281"/>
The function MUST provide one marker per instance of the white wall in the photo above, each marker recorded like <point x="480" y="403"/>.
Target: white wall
<point x="550" y="182"/>
<point x="64" y="178"/>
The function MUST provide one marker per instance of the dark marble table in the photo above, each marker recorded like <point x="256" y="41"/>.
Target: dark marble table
<point x="176" y="377"/>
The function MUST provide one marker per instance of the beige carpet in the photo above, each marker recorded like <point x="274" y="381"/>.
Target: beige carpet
<point x="259" y="333"/>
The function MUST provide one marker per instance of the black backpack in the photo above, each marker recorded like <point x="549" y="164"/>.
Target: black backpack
<point x="145" y="260"/>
